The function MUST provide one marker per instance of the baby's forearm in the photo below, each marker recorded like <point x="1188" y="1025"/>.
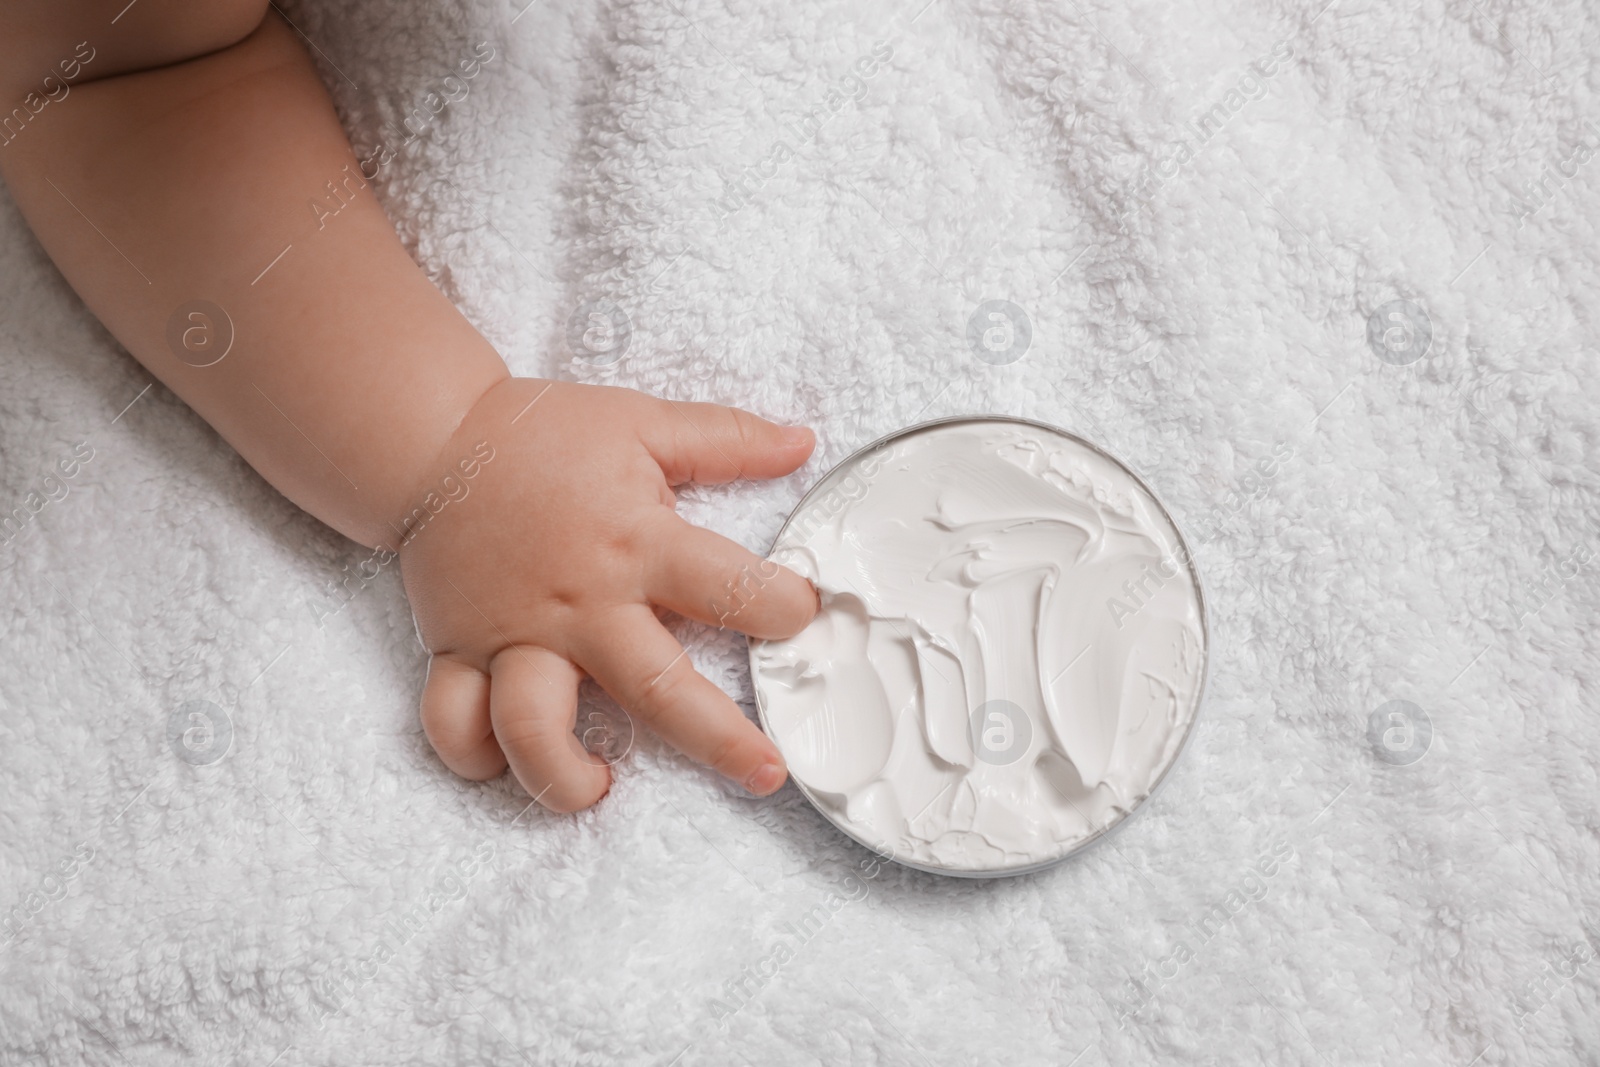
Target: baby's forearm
<point x="348" y="371"/>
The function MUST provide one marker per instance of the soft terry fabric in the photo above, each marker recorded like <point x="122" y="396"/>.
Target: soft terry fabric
<point x="799" y="208"/>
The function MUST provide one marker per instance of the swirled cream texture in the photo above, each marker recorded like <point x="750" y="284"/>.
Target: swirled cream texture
<point x="1009" y="653"/>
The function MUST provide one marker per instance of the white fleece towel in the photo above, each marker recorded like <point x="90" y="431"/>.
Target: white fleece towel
<point x="798" y="208"/>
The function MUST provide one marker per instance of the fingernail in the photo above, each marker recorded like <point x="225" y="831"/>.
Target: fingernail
<point x="796" y="435"/>
<point x="766" y="780"/>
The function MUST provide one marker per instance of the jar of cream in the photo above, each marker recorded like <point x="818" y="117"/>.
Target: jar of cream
<point x="1010" y="653"/>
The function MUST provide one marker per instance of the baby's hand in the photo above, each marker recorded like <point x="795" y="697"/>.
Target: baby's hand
<point x="547" y="570"/>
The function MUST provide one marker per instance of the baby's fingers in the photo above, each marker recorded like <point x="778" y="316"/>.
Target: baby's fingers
<point x="709" y="443"/>
<point x="645" y="670"/>
<point x="534" y="705"/>
<point x="455" y="716"/>
<point x="705" y="576"/>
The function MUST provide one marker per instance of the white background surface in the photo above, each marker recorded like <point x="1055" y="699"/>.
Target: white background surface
<point x="1427" y="913"/>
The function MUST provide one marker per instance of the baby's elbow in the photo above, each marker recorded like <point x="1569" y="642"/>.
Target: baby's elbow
<point x="76" y="41"/>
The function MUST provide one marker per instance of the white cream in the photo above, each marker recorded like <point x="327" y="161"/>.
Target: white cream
<point x="1009" y="653"/>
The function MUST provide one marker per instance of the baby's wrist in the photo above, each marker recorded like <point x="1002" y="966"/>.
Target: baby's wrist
<point x="449" y="478"/>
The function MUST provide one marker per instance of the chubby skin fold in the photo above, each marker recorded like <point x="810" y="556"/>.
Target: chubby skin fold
<point x="174" y="164"/>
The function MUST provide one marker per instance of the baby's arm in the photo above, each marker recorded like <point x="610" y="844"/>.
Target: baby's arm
<point x="182" y="183"/>
<point x="180" y="167"/>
